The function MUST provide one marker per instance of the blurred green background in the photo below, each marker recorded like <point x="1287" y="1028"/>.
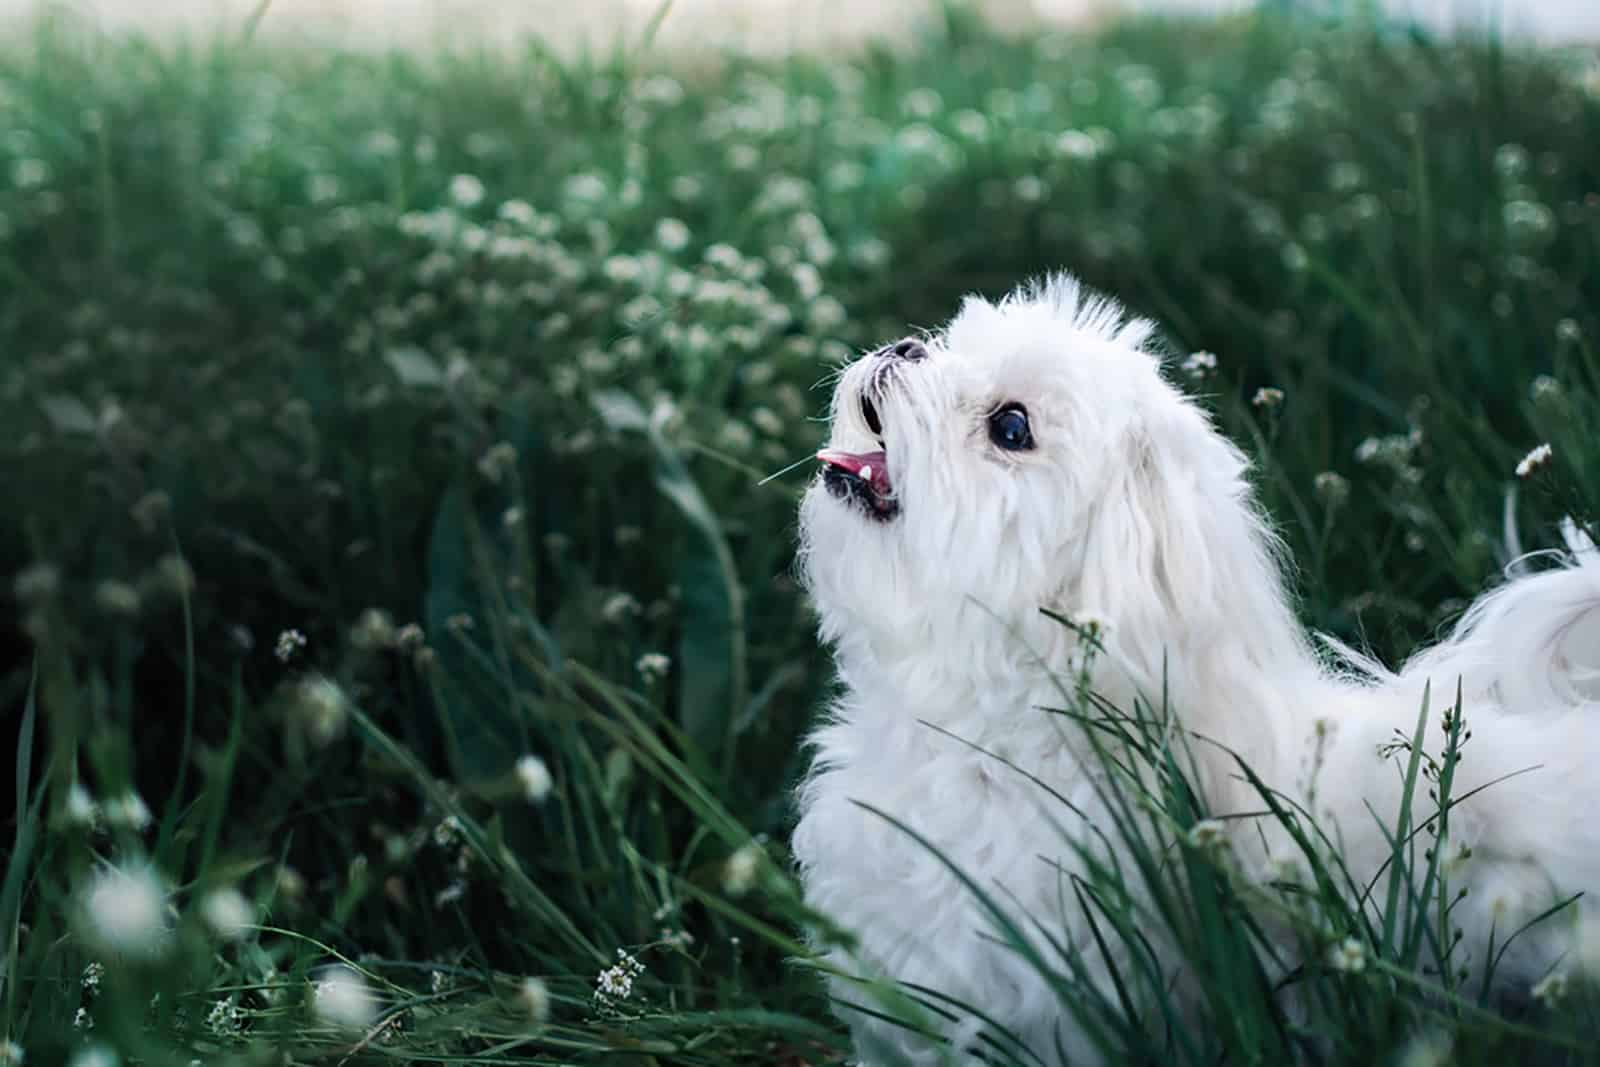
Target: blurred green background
<point x="467" y="367"/>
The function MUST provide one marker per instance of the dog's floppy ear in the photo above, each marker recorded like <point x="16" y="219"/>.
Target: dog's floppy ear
<point x="1174" y="549"/>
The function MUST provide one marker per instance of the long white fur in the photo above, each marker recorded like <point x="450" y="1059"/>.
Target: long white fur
<point x="1135" y="511"/>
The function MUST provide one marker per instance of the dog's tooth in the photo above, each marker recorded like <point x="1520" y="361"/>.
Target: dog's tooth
<point x="866" y="474"/>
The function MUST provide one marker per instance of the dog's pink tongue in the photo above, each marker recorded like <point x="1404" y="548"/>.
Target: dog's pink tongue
<point x="870" y="467"/>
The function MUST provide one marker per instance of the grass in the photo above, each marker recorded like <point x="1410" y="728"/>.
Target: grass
<point x="469" y="367"/>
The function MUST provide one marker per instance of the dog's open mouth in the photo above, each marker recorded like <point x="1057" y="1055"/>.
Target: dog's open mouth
<point x="861" y="477"/>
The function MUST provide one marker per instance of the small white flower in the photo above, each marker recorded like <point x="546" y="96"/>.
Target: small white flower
<point x="116" y="598"/>
<point x="653" y="666"/>
<point x="466" y="191"/>
<point x="128" y="811"/>
<point x="227" y="913"/>
<point x="740" y="870"/>
<point x="1208" y="834"/>
<point x="92" y="973"/>
<point x="533" y="997"/>
<point x="534" y="778"/>
<point x="500" y="459"/>
<point x="373" y="631"/>
<point x="1267" y="398"/>
<point x="447" y="832"/>
<point x="11" y="1054"/>
<point x="1544" y="389"/>
<point x="1331" y="488"/>
<point x="291" y="883"/>
<point x="96" y="1055"/>
<point x="36" y="583"/>
<point x="1426" y="1050"/>
<point x="321" y="707"/>
<point x="672" y="234"/>
<point x="81" y="808"/>
<point x="226" y="1018"/>
<point x="289" y="642"/>
<point x="1534" y="460"/>
<point x="124" y="911"/>
<point x="616" y="981"/>
<point x="1551" y="989"/>
<point x="618" y="607"/>
<point x="517" y="212"/>
<point x="82" y="1020"/>
<point x="1199" y="364"/>
<point x="340" y="998"/>
<point x="1348" y="956"/>
<point x="450" y="894"/>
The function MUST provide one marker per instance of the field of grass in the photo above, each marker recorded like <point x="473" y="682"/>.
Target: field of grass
<point x="395" y="581"/>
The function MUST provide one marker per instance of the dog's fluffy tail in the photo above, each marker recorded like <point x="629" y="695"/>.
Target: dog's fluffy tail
<point x="1531" y="646"/>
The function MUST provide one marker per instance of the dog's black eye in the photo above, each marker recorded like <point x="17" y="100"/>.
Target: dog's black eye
<point x="1008" y="428"/>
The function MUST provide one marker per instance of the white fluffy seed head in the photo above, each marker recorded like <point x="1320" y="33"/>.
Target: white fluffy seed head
<point x="739" y="873"/>
<point x="227" y="913"/>
<point x="95" y="1055"/>
<point x="533" y="997"/>
<point x="534" y="778"/>
<point x="341" y="998"/>
<point x="124" y="912"/>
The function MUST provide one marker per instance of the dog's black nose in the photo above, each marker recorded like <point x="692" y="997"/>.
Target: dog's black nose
<point x="907" y="349"/>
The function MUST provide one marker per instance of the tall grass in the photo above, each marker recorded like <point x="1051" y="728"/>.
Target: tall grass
<point x="469" y="368"/>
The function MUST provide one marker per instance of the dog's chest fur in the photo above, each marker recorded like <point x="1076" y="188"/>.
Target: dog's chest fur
<point x="946" y="779"/>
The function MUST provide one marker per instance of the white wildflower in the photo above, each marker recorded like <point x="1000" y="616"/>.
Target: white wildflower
<point x="290" y="883"/>
<point x="1199" y="364"/>
<point x="672" y="234"/>
<point x="616" y="982"/>
<point x="619" y="607"/>
<point x="1348" y="956"/>
<point x="81" y="808"/>
<point x="373" y="631"/>
<point x="767" y="421"/>
<point x="1267" y="398"/>
<point x="82" y="1020"/>
<point x="36" y="583"/>
<point x="1534" y="460"/>
<point x="653" y="666"/>
<point x="517" y="212"/>
<point x="90" y="979"/>
<point x="534" y="778"/>
<point x="1426" y="1050"/>
<point x="1551" y="989"/>
<point x="128" y="811"/>
<point x="289" y="643"/>
<point x="466" y="191"/>
<point x="11" y="1054"/>
<point x="740" y="870"/>
<point x="533" y="997"/>
<point x="116" y="598"/>
<point x="1331" y="488"/>
<point x="95" y="1055"/>
<point x="340" y="998"/>
<point x="447" y="832"/>
<point x="124" y="912"/>
<point x="226" y="1018"/>
<point x="1208" y="834"/>
<point x="321" y="707"/>
<point x="498" y="461"/>
<point x="227" y="913"/>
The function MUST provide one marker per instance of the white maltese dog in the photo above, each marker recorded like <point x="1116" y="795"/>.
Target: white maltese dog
<point x="1031" y="456"/>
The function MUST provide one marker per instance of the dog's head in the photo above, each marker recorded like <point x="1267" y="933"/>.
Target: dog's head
<point x="1029" y="455"/>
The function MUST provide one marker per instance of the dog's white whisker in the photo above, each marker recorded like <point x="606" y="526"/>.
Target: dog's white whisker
<point x="775" y="475"/>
